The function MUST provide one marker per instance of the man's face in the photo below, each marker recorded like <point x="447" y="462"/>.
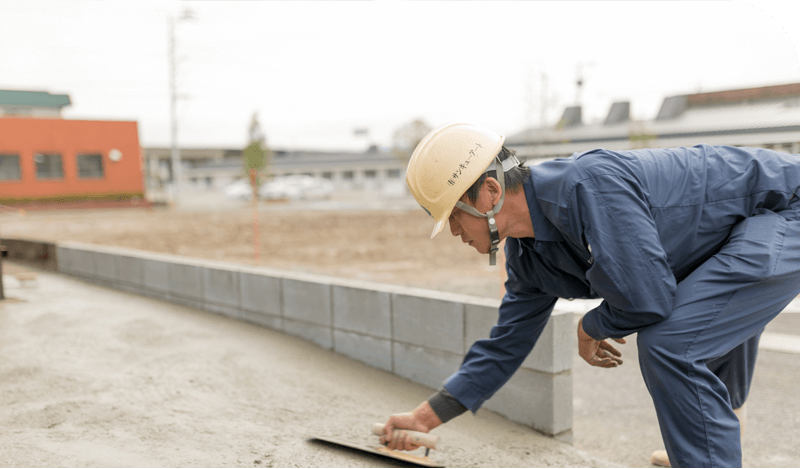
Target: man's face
<point x="471" y="229"/>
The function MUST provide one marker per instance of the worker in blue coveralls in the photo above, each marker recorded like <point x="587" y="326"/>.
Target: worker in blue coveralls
<point x="694" y="249"/>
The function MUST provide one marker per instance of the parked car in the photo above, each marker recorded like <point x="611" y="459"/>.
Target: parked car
<point x="239" y="190"/>
<point x="298" y="187"/>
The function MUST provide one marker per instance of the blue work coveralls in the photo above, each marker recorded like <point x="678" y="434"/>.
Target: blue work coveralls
<point x="695" y="249"/>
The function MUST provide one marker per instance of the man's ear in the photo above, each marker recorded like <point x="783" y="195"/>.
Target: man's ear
<point x="493" y="188"/>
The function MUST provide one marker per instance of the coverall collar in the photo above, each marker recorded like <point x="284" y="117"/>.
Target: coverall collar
<point x="543" y="228"/>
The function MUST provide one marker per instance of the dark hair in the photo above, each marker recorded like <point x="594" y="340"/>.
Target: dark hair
<point x="512" y="179"/>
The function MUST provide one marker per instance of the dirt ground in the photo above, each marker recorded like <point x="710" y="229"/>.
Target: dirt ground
<point x="381" y="246"/>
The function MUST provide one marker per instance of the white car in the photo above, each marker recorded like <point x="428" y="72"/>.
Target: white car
<point x="239" y="190"/>
<point x="297" y="187"/>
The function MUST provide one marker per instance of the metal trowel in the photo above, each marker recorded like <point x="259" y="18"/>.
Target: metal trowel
<point x="422" y="439"/>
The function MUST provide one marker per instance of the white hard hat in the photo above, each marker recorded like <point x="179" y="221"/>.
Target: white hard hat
<point x="446" y="163"/>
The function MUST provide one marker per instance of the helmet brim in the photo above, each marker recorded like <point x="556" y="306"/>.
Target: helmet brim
<point x="441" y="224"/>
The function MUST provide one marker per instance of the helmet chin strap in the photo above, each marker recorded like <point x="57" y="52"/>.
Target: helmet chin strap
<point x="495" y="239"/>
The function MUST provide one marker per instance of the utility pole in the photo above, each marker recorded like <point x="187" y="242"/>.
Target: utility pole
<point x="3" y="253"/>
<point x="175" y="153"/>
<point x="580" y="66"/>
<point x="544" y="101"/>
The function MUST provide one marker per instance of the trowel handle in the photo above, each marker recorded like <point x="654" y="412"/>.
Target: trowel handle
<point x="418" y="438"/>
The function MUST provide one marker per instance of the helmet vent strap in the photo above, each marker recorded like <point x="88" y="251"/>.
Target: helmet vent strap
<point x="469" y="209"/>
<point x="495" y="238"/>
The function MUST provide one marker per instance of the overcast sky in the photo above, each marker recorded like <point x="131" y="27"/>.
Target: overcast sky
<point x="314" y="72"/>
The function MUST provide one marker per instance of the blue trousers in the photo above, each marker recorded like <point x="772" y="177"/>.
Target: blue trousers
<point x="698" y="363"/>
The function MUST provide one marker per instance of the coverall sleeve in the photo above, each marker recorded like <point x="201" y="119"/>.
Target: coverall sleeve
<point x="490" y="363"/>
<point x="629" y="270"/>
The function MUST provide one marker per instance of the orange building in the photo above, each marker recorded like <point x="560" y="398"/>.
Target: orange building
<point x="52" y="160"/>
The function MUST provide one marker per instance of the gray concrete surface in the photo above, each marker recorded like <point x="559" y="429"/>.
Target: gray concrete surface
<point x="95" y="377"/>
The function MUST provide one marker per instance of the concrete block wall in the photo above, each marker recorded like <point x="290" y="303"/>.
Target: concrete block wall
<point x="418" y="334"/>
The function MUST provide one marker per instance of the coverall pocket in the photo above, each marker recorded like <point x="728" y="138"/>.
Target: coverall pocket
<point x="755" y="245"/>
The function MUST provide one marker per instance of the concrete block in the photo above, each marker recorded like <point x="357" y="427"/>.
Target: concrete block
<point x="426" y="366"/>
<point x="320" y="335"/>
<point x="553" y="352"/>
<point x="188" y="302"/>
<point x="362" y="310"/>
<point x="261" y="319"/>
<point x="371" y="350"/>
<point x="81" y="263"/>
<point x="260" y="293"/>
<point x="156" y="278"/>
<point x="221" y="289"/>
<point x="157" y="295"/>
<point x="428" y="322"/>
<point x="307" y="301"/>
<point x="230" y="311"/>
<point x="185" y="282"/>
<point x="129" y="272"/>
<point x="65" y="260"/>
<point x="105" y="268"/>
<point x="137" y="290"/>
<point x="478" y="322"/>
<point x="542" y="401"/>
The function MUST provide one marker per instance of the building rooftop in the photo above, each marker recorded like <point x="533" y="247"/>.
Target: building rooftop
<point x="750" y="110"/>
<point x="33" y="98"/>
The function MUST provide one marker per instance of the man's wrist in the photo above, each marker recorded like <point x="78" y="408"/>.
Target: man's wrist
<point x="445" y="406"/>
<point x="587" y="327"/>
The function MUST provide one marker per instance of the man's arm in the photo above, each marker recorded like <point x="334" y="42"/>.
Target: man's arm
<point x="488" y="364"/>
<point x="629" y="270"/>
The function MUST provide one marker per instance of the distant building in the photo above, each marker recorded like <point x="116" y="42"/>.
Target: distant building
<point x="46" y="159"/>
<point x="766" y="117"/>
<point x="759" y="117"/>
<point x="214" y="168"/>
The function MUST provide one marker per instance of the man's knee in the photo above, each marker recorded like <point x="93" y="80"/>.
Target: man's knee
<point x="656" y="348"/>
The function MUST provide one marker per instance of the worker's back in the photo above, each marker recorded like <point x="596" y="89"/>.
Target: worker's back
<point x="695" y="195"/>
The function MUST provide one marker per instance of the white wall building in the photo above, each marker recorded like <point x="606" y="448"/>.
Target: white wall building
<point x="766" y="117"/>
<point x="214" y="168"/>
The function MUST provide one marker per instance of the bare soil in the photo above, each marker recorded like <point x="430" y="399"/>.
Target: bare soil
<point x="382" y="246"/>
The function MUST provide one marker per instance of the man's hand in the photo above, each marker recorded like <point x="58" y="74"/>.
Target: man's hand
<point x="598" y="353"/>
<point x="421" y="419"/>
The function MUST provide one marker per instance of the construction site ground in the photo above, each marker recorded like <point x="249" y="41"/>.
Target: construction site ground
<point x="162" y="385"/>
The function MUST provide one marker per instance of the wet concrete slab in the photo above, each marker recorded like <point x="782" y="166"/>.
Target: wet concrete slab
<point x="93" y="377"/>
